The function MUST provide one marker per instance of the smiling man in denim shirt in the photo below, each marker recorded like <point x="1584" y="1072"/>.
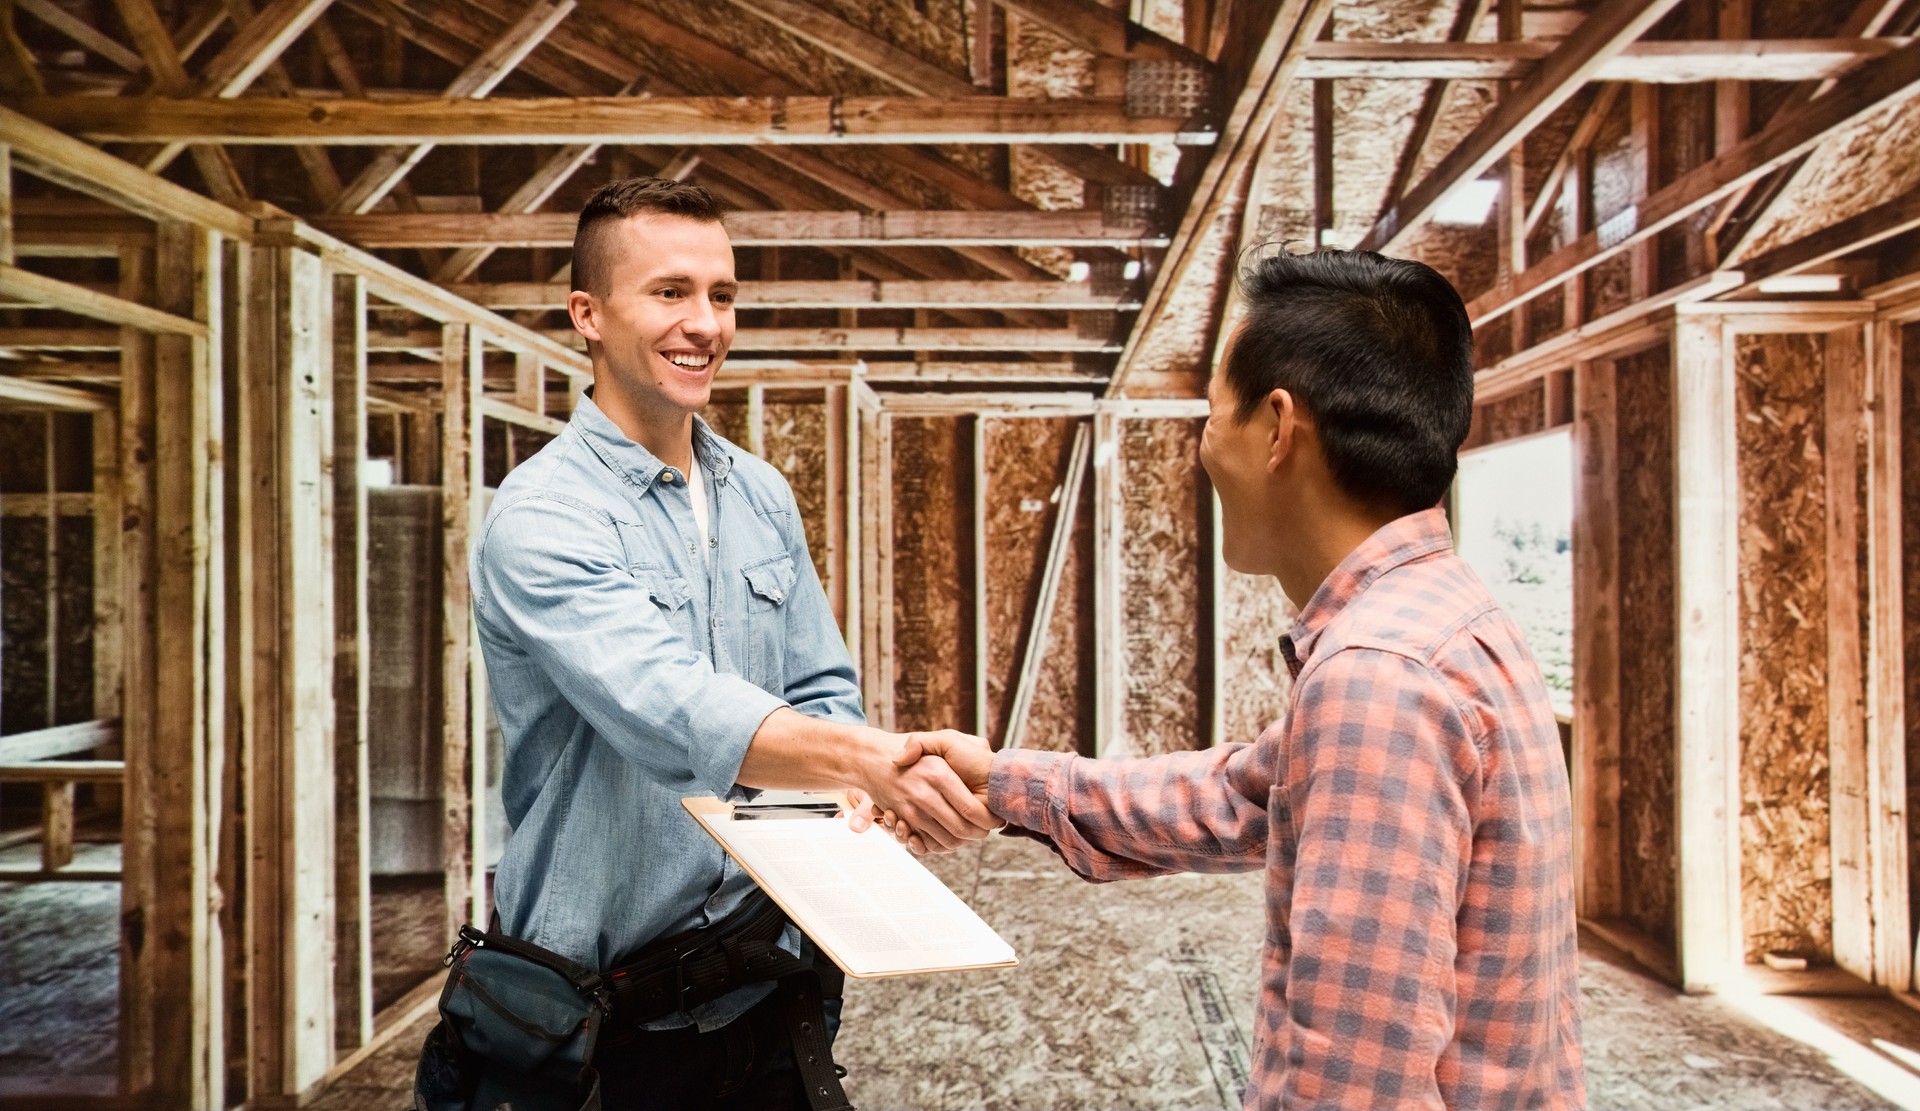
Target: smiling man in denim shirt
<point x="653" y="628"/>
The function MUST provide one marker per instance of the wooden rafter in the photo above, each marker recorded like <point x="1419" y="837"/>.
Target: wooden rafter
<point x="1055" y="295"/>
<point x="549" y="177"/>
<point x="1105" y="31"/>
<point x="676" y="121"/>
<point x="1013" y="340"/>
<point x="1661" y="63"/>
<point x="475" y="81"/>
<point x="1606" y="31"/>
<point x="1295" y="27"/>
<point x="912" y="227"/>
<point x="151" y="39"/>
<point x="1470" y="15"/>
<point x="1890" y="81"/>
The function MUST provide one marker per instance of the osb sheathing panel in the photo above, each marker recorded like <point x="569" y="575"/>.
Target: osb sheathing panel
<point x="1618" y="182"/>
<point x="1854" y="170"/>
<point x="1910" y="570"/>
<point x="1042" y="64"/>
<point x="1645" y="407"/>
<point x="796" y="438"/>
<point x="812" y="70"/>
<point x="932" y="573"/>
<point x="1254" y="684"/>
<point x="727" y="415"/>
<point x="1026" y="466"/>
<point x="1785" y="855"/>
<point x="1161" y="489"/>
<point x="1521" y="413"/>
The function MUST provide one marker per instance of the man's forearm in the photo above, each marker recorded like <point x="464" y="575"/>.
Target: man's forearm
<point x="792" y="751"/>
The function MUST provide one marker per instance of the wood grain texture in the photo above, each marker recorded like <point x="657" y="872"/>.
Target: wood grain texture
<point x="1786" y="880"/>
<point x="1910" y="574"/>
<point x="932" y="573"/>
<point x="1160" y="588"/>
<point x="1645" y="400"/>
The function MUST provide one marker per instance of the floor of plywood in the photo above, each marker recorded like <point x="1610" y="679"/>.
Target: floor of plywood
<point x="1133" y="995"/>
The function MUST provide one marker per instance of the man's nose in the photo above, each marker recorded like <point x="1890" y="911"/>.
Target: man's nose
<point x="700" y="320"/>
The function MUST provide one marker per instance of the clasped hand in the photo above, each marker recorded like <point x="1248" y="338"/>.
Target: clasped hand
<point x="937" y="800"/>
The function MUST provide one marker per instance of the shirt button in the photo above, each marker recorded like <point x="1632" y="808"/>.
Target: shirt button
<point x="668" y="476"/>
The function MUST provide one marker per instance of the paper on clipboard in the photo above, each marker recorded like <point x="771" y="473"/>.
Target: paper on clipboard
<point x="861" y="897"/>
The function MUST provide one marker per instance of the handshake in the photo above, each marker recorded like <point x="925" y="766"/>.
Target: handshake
<point x="932" y="795"/>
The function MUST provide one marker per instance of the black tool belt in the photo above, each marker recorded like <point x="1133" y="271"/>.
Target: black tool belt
<point x="681" y="972"/>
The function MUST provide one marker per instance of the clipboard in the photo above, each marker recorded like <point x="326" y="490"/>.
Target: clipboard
<point x="864" y="899"/>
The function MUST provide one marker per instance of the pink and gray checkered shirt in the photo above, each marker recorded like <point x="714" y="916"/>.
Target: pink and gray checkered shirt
<point x="1412" y="815"/>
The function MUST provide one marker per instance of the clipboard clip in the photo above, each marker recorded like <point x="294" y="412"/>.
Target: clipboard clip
<point x="756" y="811"/>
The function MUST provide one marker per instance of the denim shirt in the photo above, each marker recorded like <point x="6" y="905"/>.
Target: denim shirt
<point x="628" y="672"/>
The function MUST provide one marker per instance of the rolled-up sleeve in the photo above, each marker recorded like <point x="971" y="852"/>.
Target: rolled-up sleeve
<point x="1126" y="819"/>
<point x="578" y="613"/>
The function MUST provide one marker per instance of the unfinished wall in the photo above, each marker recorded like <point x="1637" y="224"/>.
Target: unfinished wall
<point x="1645" y="405"/>
<point x="1618" y="178"/>
<point x="46" y="575"/>
<point x="796" y="445"/>
<point x="1508" y="417"/>
<point x="1026" y="467"/>
<point x="1254" y="684"/>
<point x="1785" y="854"/>
<point x="932" y="573"/>
<point x="1160" y="599"/>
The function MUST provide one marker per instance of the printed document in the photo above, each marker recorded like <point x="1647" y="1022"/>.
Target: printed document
<point x="862" y="897"/>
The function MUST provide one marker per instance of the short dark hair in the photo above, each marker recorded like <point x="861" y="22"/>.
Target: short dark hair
<point x="618" y="200"/>
<point x="1379" y="353"/>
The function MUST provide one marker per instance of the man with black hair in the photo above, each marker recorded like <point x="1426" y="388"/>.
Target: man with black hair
<point x="653" y="628"/>
<point x="1411" y="810"/>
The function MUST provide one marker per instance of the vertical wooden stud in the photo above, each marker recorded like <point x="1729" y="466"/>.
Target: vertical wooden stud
<point x="1596" y="642"/>
<point x="1886" y="709"/>
<point x="51" y="601"/>
<point x="479" y="899"/>
<point x="1645" y="109"/>
<point x="757" y="420"/>
<point x="1706" y="687"/>
<point x="529" y="382"/>
<point x="56" y="825"/>
<point x="353" y="896"/>
<point x="458" y="415"/>
<point x="836" y="463"/>
<point x="1848" y="767"/>
<point x="1109" y="618"/>
<point x="1216" y="600"/>
<point x="981" y="724"/>
<point x="6" y="204"/>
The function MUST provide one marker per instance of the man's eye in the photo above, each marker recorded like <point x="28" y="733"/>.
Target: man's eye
<point x="724" y="298"/>
<point x="670" y="293"/>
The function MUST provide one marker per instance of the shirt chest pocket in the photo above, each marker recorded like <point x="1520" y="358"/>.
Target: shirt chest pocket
<point x="670" y="595"/>
<point x="769" y="583"/>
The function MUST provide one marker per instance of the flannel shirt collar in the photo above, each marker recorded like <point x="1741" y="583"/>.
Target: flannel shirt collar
<point x="639" y="467"/>
<point x="1395" y="544"/>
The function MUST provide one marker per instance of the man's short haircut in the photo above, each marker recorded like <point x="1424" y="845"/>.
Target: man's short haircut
<point x="1379" y="353"/>
<point x="617" y="200"/>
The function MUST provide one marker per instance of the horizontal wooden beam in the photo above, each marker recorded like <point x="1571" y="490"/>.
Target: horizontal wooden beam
<point x="61" y="740"/>
<point x="46" y="395"/>
<point x="738" y="372"/>
<point x="494" y="408"/>
<point x="1068" y="228"/>
<point x="424" y="342"/>
<point x="29" y="288"/>
<point x="1664" y="63"/>
<point x="845" y="295"/>
<point x="681" y="121"/>
<point x="1888" y="82"/>
<point x="59" y="339"/>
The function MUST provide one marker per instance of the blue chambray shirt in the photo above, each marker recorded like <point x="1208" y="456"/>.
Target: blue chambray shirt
<point x="627" y="673"/>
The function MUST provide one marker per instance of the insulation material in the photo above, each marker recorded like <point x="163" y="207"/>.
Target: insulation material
<point x="1618" y="181"/>
<point x="932" y="573"/>
<point x="1645" y="406"/>
<point x="1254" y="683"/>
<point x="1785" y="853"/>
<point x="1510" y="416"/>
<point x="1161" y="491"/>
<point x="1026" y="466"/>
<point x="796" y="441"/>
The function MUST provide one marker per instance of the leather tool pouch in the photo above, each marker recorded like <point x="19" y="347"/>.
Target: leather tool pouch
<point x="517" y="1026"/>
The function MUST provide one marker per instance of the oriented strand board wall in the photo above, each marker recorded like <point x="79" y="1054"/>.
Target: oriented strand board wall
<point x="1254" y="684"/>
<point x="1026" y="466"/>
<point x="1510" y="416"/>
<point x="1645" y="392"/>
<point x="796" y="442"/>
<point x="1785" y="852"/>
<point x="1162" y="488"/>
<point x="932" y="573"/>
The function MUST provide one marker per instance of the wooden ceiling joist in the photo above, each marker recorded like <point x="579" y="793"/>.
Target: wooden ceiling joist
<point x="909" y="228"/>
<point x="1016" y="340"/>
<point x="1607" y="30"/>
<point x="676" y="121"/>
<point x="1891" y="81"/>
<point x="1072" y="296"/>
<point x="1666" y="63"/>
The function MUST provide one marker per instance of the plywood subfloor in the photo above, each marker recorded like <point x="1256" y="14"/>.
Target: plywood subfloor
<point x="1099" y="1016"/>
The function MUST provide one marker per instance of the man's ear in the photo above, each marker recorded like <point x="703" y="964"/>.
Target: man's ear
<point x="1280" y="404"/>
<point x="584" y="314"/>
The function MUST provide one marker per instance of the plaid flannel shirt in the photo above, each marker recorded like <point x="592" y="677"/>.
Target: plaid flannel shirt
<point x="1412" y="815"/>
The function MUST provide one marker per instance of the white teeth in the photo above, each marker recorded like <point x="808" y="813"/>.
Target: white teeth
<point x="689" y="360"/>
